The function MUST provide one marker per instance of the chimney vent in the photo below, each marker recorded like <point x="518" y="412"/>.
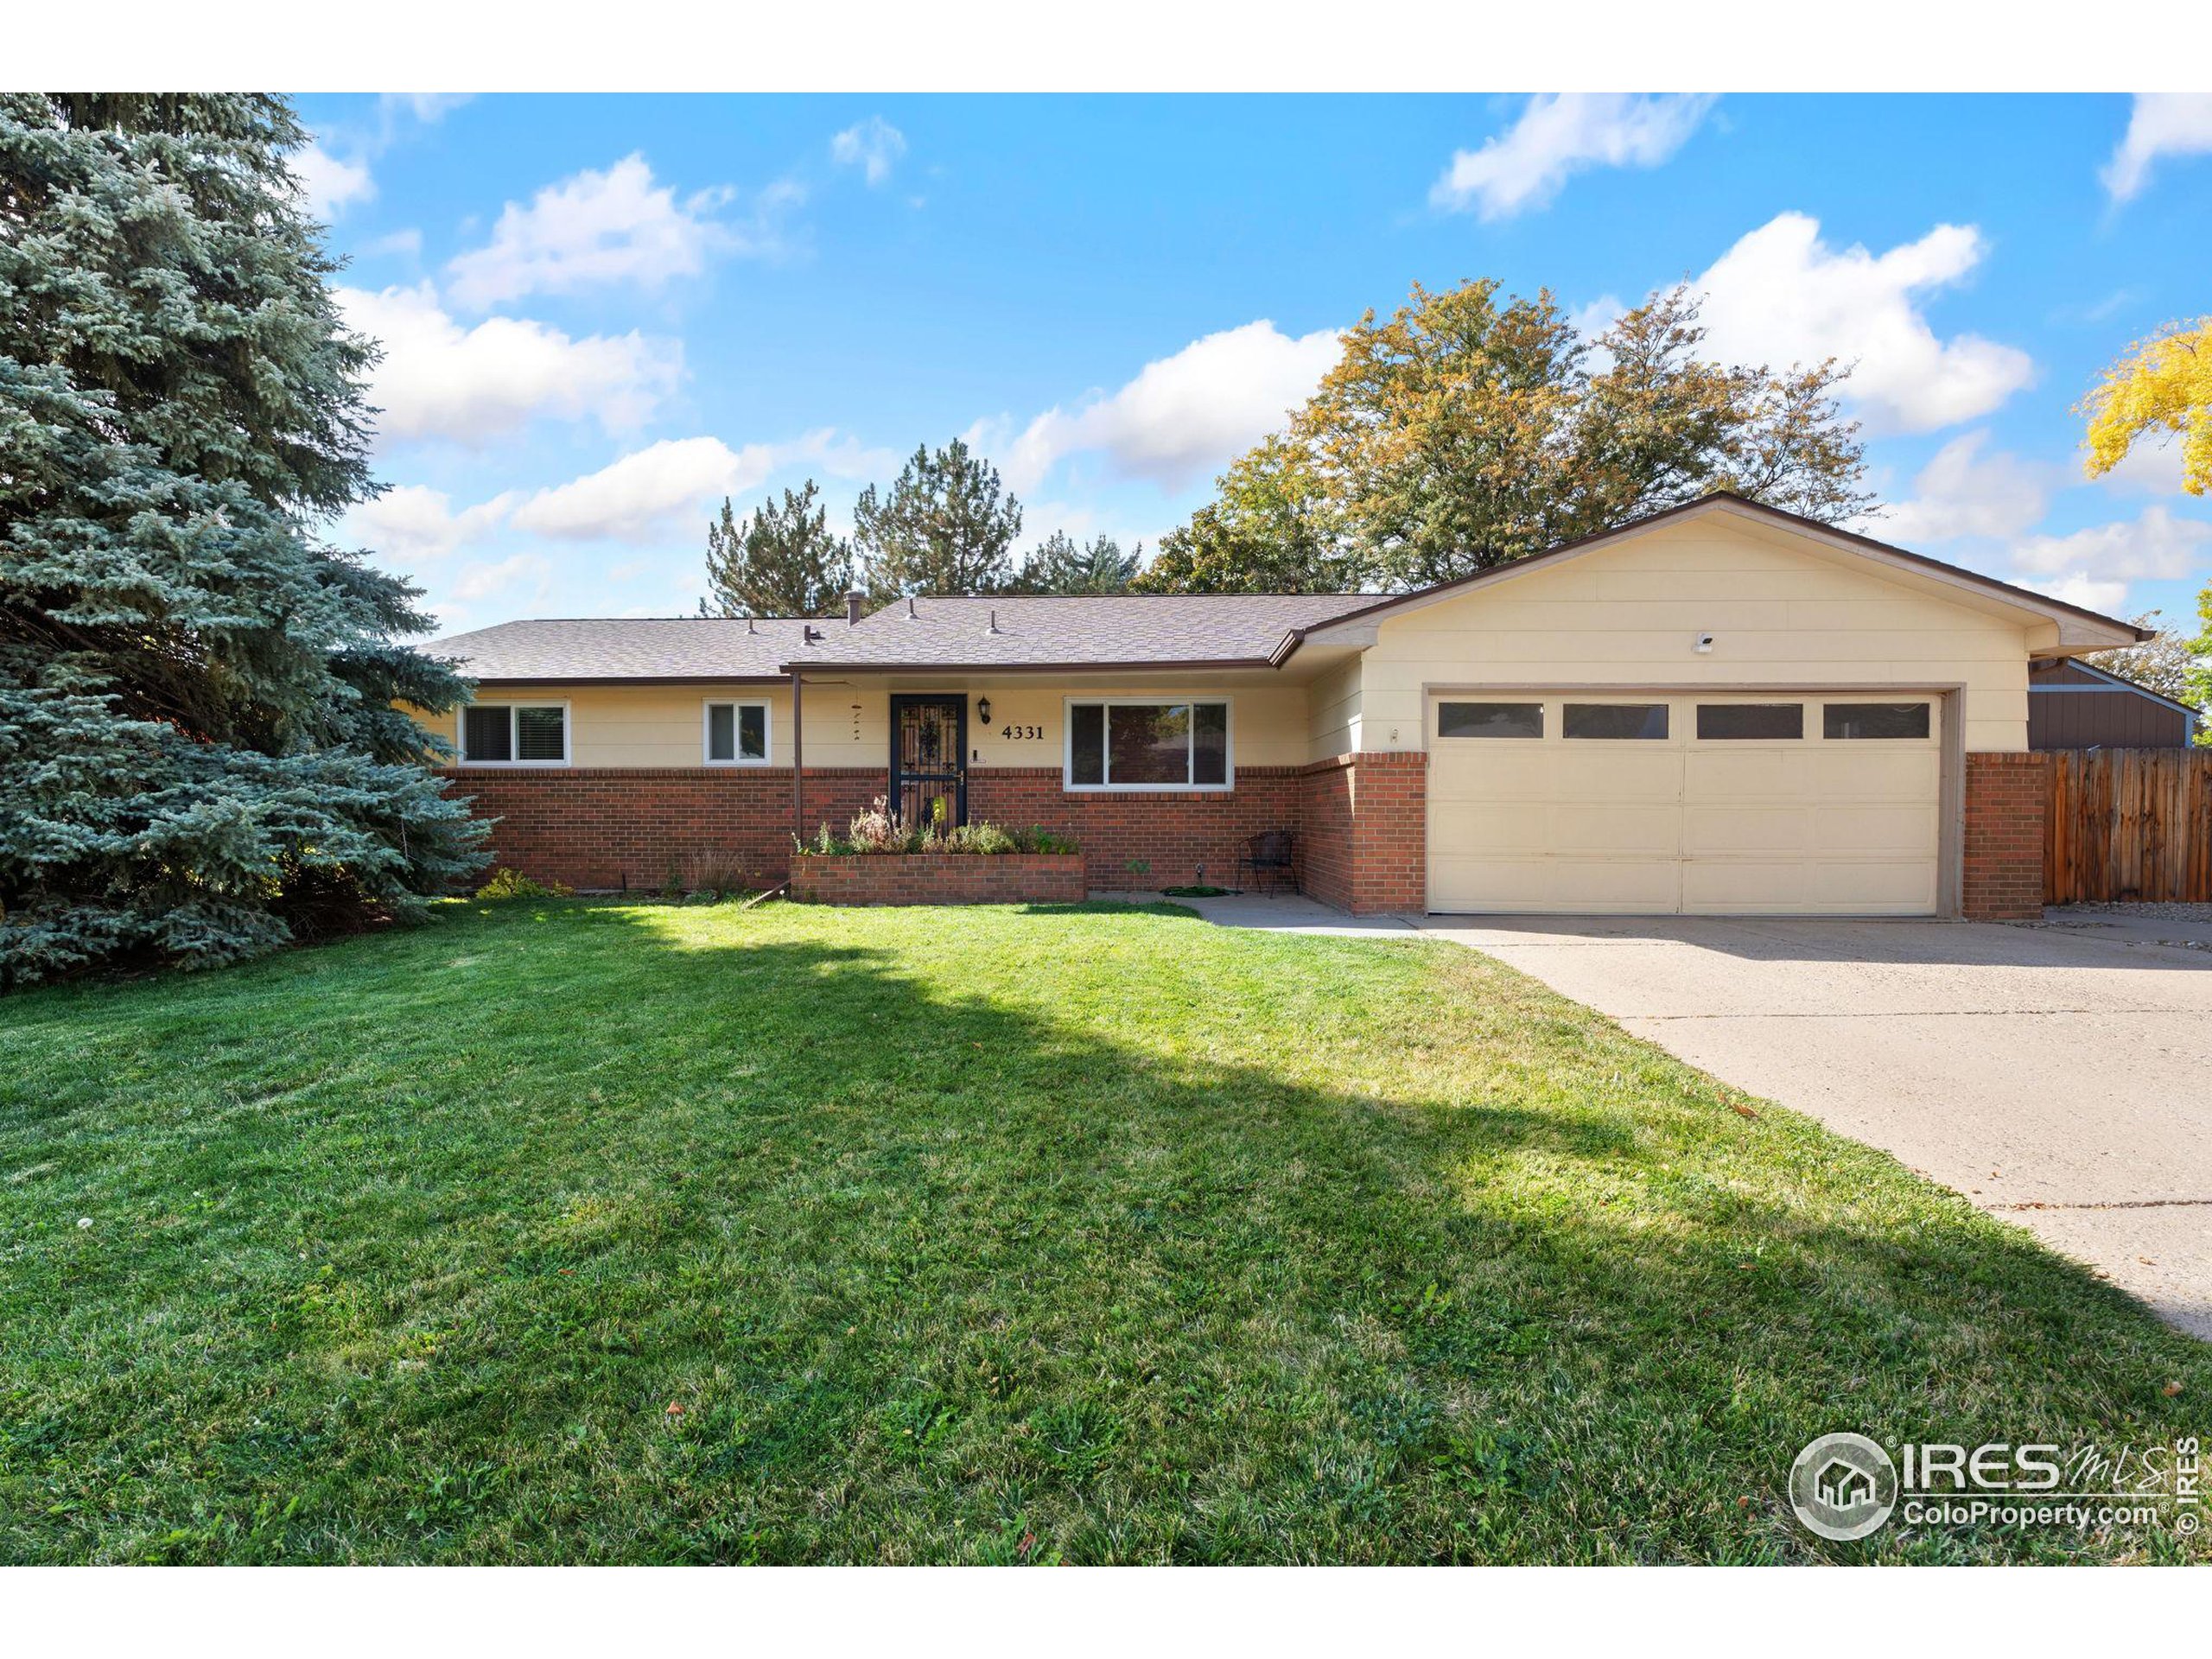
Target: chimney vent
<point x="854" y="598"/>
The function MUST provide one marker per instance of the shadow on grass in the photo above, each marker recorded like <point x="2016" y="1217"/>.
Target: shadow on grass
<point x="595" y="1232"/>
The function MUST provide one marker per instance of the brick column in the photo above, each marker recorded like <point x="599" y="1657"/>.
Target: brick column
<point x="1366" y="831"/>
<point x="2008" y="795"/>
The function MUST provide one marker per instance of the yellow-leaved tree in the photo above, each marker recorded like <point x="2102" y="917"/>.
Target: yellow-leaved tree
<point x="2164" y="384"/>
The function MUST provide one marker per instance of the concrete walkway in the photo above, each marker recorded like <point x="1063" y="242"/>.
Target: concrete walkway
<point x="2060" y="1075"/>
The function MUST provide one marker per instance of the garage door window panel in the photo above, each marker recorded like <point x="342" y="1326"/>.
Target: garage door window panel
<point x="1851" y="723"/>
<point x="1640" y="722"/>
<point x="1518" y="720"/>
<point x="1751" y="722"/>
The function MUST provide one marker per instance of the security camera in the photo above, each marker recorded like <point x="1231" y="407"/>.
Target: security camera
<point x="1705" y="642"/>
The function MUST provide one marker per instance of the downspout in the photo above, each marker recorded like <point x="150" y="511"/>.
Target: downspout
<point x="798" y="769"/>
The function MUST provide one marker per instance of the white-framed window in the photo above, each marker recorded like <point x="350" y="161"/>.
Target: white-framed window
<point x="734" y="734"/>
<point x="1140" y="743"/>
<point x="514" y="734"/>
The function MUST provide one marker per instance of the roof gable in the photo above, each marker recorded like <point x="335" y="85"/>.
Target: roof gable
<point x="2077" y="629"/>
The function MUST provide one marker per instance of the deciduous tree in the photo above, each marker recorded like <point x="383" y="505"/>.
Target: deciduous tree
<point x="2162" y="385"/>
<point x="1274" y="529"/>
<point x="1472" y="428"/>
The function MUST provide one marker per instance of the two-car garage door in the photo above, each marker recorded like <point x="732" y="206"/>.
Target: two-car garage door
<point x="1596" y="802"/>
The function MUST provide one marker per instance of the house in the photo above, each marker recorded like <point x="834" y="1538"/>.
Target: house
<point x="2080" y="706"/>
<point x="1842" y="1485"/>
<point x="1721" y="708"/>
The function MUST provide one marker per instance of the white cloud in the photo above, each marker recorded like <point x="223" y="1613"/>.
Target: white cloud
<point x="405" y="244"/>
<point x="1182" y="416"/>
<point x="1782" y="296"/>
<point x="482" y="580"/>
<point x="2161" y="123"/>
<point x="615" y="226"/>
<point x="873" y="146"/>
<point x="2094" y="566"/>
<point x="1562" y="134"/>
<point x="1964" y="491"/>
<point x="329" y="185"/>
<point x="2088" y="592"/>
<point x="439" y="380"/>
<point x="2156" y="547"/>
<point x="428" y="108"/>
<point x="411" y="522"/>
<point x="644" y="494"/>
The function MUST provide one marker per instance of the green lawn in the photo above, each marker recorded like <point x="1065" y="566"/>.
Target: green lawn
<point x="565" y="1232"/>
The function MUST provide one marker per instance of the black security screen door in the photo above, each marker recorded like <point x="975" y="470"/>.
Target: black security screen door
<point x="929" y="756"/>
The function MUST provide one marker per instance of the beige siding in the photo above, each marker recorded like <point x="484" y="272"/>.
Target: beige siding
<point x="849" y="725"/>
<point x="643" y="725"/>
<point x="1782" y="610"/>
<point x="1334" y="706"/>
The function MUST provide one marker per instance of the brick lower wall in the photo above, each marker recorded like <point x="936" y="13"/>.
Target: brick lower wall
<point x="635" y="827"/>
<point x="2007" y="798"/>
<point x="1172" y="834"/>
<point x="941" y="879"/>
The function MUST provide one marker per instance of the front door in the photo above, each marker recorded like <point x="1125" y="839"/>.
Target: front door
<point x="929" y="761"/>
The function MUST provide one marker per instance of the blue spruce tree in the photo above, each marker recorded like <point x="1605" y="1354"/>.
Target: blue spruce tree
<point x="201" y="750"/>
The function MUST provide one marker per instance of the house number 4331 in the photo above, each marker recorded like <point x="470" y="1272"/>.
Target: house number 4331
<point x="1016" y="734"/>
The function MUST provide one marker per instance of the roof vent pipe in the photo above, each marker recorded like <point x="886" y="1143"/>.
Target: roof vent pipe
<point x="748" y="626"/>
<point x="994" y="628"/>
<point x="911" y="613"/>
<point x="853" y="599"/>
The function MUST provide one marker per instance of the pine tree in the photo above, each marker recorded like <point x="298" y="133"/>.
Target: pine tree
<point x="782" y="562"/>
<point x="200" y="749"/>
<point x="1059" y="564"/>
<point x="945" y="527"/>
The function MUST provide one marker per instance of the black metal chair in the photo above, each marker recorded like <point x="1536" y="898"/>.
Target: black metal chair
<point x="1272" y="852"/>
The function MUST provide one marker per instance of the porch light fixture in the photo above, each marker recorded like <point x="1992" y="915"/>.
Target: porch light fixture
<point x="984" y="711"/>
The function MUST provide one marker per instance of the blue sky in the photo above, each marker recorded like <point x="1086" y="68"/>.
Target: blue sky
<point x="602" y="313"/>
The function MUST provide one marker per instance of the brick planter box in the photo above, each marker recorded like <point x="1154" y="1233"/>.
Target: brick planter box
<point x="939" y="879"/>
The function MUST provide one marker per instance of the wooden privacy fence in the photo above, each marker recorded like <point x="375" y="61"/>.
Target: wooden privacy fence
<point x="2128" y="825"/>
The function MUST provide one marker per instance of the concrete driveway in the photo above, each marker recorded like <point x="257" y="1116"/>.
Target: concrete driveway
<point x="2059" y="1075"/>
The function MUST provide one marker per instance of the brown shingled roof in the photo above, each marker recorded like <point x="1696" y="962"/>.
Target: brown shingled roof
<point x="1110" y="630"/>
<point x="572" y="649"/>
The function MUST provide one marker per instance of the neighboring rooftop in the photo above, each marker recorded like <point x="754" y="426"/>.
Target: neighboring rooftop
<point x="1113" y="631"/>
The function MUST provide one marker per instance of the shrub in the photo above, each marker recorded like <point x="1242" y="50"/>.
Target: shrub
<point x="513" y="884"/>
<point x="717" y="875"/>
<point x="1038" y="839"/>
<point x="879" y="831"/>
<point x="980" y="837"/>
